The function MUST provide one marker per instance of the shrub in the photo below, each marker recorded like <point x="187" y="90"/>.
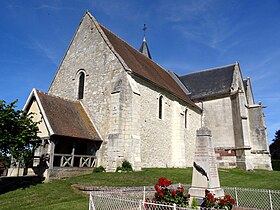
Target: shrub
<point x="126" y="166"/>
<point x="99" y="169"/>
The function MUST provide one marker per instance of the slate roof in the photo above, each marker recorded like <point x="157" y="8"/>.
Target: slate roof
<point x="209" y="83"/>
<point x="145" y="68"/>
<point x="67" y="118"/>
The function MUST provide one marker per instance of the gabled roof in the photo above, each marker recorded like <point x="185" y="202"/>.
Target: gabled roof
<point x="209" y="83"/>
<point x="145" y="68"/>
<point x="64" y="117"/>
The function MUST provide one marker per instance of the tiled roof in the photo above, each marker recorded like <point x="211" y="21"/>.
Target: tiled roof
<point x="67" y="118"/>
<point x="144" y="67"/>
<point x="209" y="83"/>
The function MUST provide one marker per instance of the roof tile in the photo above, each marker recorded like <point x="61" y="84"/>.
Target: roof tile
<point x="67" y="118"/>
<point x="144" y="67"/>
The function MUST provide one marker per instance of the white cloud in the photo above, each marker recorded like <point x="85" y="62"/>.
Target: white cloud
<point x="40" y="7"/>
<point x="51" y="54"/>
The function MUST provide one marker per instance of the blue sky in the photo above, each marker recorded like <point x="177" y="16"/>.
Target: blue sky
<point x="183" y="36"/>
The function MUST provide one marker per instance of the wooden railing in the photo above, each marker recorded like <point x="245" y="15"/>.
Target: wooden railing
<point x="69" y="160"/>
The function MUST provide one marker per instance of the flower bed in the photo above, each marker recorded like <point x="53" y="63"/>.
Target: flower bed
<point x="165" y="194"/>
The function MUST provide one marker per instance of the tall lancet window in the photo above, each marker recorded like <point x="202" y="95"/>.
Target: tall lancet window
<point x="160" y="107"/>
<point x="186" y="118"/>
<point x="81" y="85"/>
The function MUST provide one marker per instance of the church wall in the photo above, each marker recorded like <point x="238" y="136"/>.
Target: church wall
<point x="258" y="136"/>
<point x="89" y="53"/>
<point x="217" y="116"/>
<point x="257" y="129"/>
<point x="106" y="91"/>
<point x="165" y="142"/>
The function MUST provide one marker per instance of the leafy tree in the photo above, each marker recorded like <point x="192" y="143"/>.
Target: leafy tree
<point x="275" y="146"/>
<point x="18" y="133"/>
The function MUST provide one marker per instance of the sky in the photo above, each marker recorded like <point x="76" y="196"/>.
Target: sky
<point x="183" y="35"/>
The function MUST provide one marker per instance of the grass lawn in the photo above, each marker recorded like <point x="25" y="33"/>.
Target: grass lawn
<point x="59" y="194"/>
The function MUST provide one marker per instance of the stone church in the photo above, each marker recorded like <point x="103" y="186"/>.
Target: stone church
<point x="109" y="102"/>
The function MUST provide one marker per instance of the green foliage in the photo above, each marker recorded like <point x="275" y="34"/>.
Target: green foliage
<point x="194" y="204"/>
<point x="275" y="146"/>
<point x="59" y="194"/>
<point x="99" y="169"/>
<point x="126" y="167"/>
<point x="18" y="133"/>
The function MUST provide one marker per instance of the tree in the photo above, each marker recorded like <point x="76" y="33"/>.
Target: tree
<point x="18" y="133"/>
<point x="275" y="146"/>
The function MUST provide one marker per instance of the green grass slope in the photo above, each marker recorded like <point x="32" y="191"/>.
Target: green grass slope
<point x="59" y="194"/>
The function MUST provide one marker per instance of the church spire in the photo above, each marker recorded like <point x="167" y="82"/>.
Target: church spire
<point x="144" y="47"/>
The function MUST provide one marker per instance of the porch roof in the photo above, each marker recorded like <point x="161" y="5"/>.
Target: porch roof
<point x="64" y="117"/>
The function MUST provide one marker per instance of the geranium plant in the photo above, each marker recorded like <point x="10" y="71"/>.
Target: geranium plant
<point x="226" y="202"/>
<point x="164" y="194"/>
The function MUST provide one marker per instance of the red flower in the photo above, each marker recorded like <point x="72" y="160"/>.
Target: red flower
<point x="173" y="192"/>
<point x="210" y="196"/>
<point x="163" y="182"/>
<point x="160" y="194"/>
<point x="158" y="188"/>
<point x="227" y="197"/>
<point x="232" y="201"/>
<point x="222" y="202"/>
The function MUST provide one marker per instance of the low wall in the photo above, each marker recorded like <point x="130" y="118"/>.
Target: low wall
<point x="58" y="172"/>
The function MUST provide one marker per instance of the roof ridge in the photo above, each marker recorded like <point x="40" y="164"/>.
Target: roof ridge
<point x="55" y="96"/>
<point x="130" y="57"/>
<point x="141" y="54"/>
<point x="206" y="70"/>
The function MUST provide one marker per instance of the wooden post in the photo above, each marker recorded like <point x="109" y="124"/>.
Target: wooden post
<point x="51" y="150"/>
<point x="73" y="155"/>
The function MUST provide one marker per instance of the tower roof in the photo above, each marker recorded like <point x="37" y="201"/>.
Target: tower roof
<point x="144" y="49"/>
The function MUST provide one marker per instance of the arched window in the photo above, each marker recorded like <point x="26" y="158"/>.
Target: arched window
<point x="186" y="118"/>
<point x="81" y="85"/>
<point x="160" y="107"/>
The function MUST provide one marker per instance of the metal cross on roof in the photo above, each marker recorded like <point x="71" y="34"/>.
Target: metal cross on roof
<point x="144" y="29"/>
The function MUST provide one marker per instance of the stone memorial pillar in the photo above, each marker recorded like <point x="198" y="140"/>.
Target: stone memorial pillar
<point x="205" y="172"/>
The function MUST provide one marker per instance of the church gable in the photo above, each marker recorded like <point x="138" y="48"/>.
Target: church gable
<point x="33" y="106"/>
<point x="90" y="53"/>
